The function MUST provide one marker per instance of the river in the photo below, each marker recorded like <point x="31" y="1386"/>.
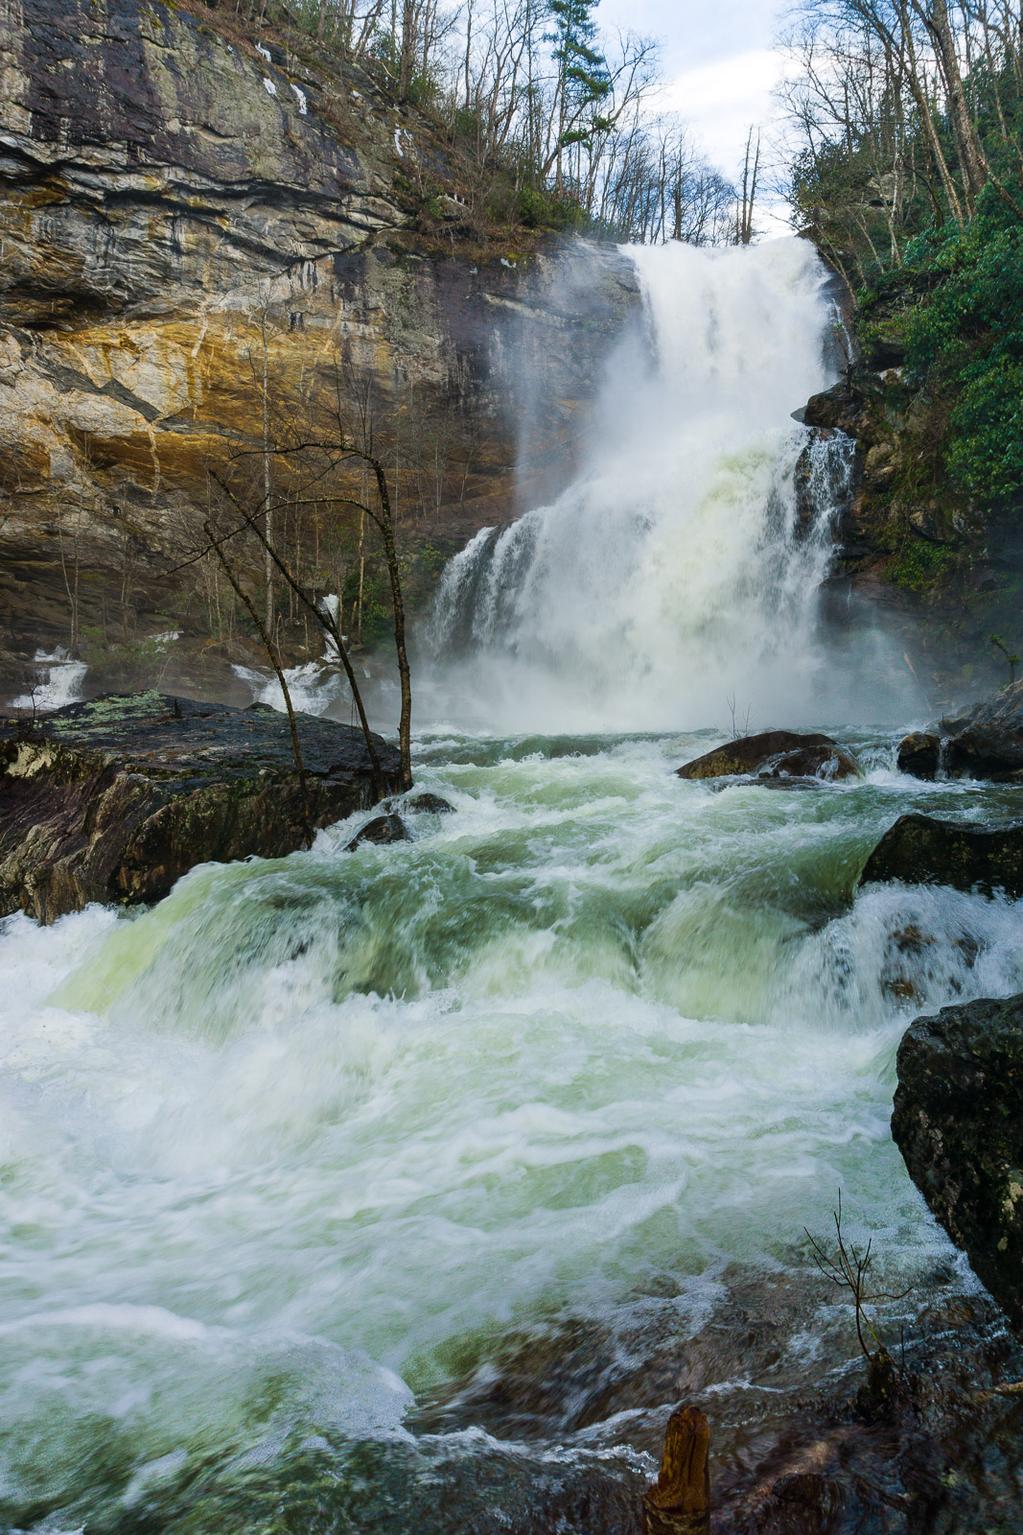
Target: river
<point x="409" y="1189"/>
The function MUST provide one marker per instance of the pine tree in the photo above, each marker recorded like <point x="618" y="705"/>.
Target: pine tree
<point x="582" y="76"/>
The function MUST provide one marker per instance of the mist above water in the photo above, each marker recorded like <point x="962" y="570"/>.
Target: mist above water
<point x="681" y="571"/>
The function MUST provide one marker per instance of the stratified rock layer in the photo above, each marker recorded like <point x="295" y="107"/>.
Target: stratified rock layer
<point x="183" y="213"/>
<point x="919" y="850"/>
<point x="958" y="1122"/>
<point x="115" y="799"/>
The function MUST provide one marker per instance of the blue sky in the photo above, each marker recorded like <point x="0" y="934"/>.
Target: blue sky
<point x="719" y="63"/>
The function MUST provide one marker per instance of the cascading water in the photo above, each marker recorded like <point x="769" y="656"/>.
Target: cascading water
<point x="316" y="687"/>
<point x="408" y="1189"/>
<point x="60" y="682"/>
<point x="683" y="564"/>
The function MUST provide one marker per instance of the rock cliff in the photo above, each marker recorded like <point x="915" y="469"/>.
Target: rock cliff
<point x="195" y="223"/>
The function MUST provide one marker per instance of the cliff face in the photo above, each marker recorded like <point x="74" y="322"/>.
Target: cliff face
<point x="942" y="564"/>
<point x="186" y="215"/>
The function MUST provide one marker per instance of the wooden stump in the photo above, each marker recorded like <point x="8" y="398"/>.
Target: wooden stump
<point x="679" y="1503"/>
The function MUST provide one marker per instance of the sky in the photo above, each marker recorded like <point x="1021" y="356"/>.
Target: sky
<point x="720" y="69"/>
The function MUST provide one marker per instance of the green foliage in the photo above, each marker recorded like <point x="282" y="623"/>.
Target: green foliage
<point x="919" y="566"/>
<point x="539" y="209"/>
<point x="964" y="340"/>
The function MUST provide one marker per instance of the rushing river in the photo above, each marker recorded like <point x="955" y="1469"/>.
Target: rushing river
<point x="405" y="1192"/>
<point x="320" y="1146"/>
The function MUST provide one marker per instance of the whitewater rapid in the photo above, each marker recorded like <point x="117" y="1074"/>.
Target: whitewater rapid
<point x="296" y="1148"/>
<point x="406" y="1189"/>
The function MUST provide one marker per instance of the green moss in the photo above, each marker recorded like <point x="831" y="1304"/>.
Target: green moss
<point x="919" y="566"/>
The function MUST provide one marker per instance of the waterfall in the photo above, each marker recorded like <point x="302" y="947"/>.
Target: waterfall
<point x="682" y="567"/>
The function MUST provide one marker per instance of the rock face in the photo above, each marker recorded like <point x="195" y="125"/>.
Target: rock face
<point x="115" y="799"/>
<point x="988" y="741"/>
<point x="919" y="850"/>
<point x="958" y="1122"/>
<point x="775" y="755"/>
<point x="184" y="213"/>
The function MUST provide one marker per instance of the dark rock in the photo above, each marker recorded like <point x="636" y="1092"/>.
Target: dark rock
<point x="431" y="804"/>
<point x="919" y="850"/>
<point x="920" y="754"/>
<point x="775" y="754"/>
<point x="839" y="407"/>
<point x="958" y="1121"/>
<point x="988" y="741"/>
<point x="115" y="799"/>
<point x="382" y="829"/>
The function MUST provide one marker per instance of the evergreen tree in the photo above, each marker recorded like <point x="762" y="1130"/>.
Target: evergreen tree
<point x="583" y="78"/>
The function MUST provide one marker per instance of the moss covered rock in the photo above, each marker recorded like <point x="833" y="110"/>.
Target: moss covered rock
<point x="919" y="850"/>
<point x="115" y="799"/>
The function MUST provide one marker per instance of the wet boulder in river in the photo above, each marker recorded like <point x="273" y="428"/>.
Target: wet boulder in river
<point x="381" y="830"/>
<point x="115" y="799"/>
<point x="920" y="754"/>
<point x="988" y="741"/>
<point x="958" y="1121"/>
<point x="429" y="804"/>
<point x="919" y="850"/>
<point x="775" y="754"/>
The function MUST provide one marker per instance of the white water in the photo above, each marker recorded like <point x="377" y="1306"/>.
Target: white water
<point x="306" y="1140"/>
<point x="674" y="573"/>
<point x="281" y="1150"/>
<point x="316" y="687"/>
<point x="60" y="682"/>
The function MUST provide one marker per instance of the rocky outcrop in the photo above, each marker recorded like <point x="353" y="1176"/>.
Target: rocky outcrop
<point x="987" y="742"/>
<point x="115" y="799"/>
<point x="775" y="755"/>
<point x="958" y="1122"/>
<point x="185" y="214"/>
<point x="919" y="850"/>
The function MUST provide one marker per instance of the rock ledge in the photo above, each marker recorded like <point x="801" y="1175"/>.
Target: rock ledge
<point x="115" y="799"/>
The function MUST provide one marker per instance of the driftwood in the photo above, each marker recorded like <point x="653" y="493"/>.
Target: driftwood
<point x="679" y="1503"/>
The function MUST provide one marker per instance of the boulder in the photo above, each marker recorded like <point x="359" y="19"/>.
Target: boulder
<point x="115" y="799"/>
<point x="958" y="1121"/>
<point x="920" y="754"/>
<point x="988" y="741"/>
<point x="919" y="850"/>
<point x="429" y="804"/>
<point x="775" y="754"/>
<point x="382" y="829"/>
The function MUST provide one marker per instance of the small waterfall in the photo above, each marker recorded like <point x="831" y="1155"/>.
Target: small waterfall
<point x="316" y="687"/>
<point x="60" y="682"/>
<point x="683" y="565"/>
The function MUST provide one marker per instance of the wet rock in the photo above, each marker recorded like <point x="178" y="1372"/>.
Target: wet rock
<point x="115" y="799"/>
<point x="775" y="754"/>
<point x="958" y="1121"/>
<point x="919" y="850"/>
<point x="381" y="830"/>
<point x="920" y="754"/>
<point x="429" y="804"/>
<point x="988" y="741"/>
<point x="679" y="1502"/>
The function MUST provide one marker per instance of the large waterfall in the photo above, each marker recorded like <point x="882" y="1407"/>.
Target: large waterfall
<point x="682" y="567"/>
